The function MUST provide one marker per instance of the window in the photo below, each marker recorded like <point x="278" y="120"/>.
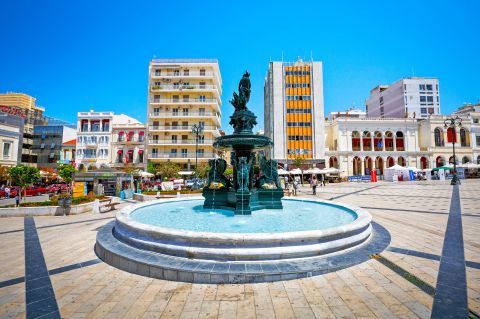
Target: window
<point x="201" y="98"/>
<point x="438" y="137"/>
<point x="430" y="99"/>
<point x="429" y="87"/>
<point x="201" y="111"/>
<point x="381" y="100"/>
<point x="201" y="152"/>
<point x="202" y="72"/>
<point x="52" y="146"/>
<point x="7" y="146"/>
<point x="184" y="152"/>
<point x="431" y="110"/>
<point x="175" y="112"/>
<point x="176" y="72"/>
<point x="156" y="99"/>
<point x="421" y="87"/>
<point x="186" y="72"/>
<point x="423" y="110"/>
<point x="423" y="99"/>
<point x="174" y="139"/>
<point x="175" y="98"/>
<point x="478" y="140"/>
<point x="185" y="112"/>
<point x="158" y="72"/>
<point x="186" y="98"/>
<point x="202" y="85"/>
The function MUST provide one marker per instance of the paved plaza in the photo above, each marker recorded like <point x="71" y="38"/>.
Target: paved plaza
<point x="48" y="267"/>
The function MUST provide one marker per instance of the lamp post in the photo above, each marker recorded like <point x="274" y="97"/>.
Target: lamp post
<point x="197" y="129"/>
<point x="452" y="123"/>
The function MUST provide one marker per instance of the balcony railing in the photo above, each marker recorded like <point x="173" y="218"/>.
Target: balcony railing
<point x="184" y="75"/>
<point x="182" y="114"/>
<point x="184" y="142"/>
<point x="181" y="155"/>
<point x="185" y="101"/>
<point x="193" y="87"/>
<point x="179" y="127"/>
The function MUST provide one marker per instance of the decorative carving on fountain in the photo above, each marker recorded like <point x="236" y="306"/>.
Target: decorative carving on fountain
<point x="269" y="178"/>
<point x="216" y="179"/>
<point x="243" y="167"/>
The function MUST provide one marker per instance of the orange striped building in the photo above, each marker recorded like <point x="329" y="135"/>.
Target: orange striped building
<point x="294" y="111"/>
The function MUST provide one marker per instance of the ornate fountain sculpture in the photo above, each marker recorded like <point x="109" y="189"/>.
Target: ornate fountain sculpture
<point x="243" y="196"/>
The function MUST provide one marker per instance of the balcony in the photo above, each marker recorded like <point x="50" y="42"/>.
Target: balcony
<point x="183" y="75"/>
<point x="130" y="141"/>
<point x="180" y="128"/>
<point x="193" y="115"/>
<point x="181" y="142"/>
<point x="181" y="155"/>
<point x="171" y="101"/>
<point x="185" y="88"/>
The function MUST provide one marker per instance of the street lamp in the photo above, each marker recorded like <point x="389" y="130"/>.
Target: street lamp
<point x="197" y="129"/>
<point x="452" y="123"/>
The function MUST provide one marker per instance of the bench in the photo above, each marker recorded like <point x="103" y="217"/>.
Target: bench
<point x="109" y="204"/>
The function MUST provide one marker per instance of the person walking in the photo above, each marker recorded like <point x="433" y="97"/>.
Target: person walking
<point x="314" y="184"/>
<point x="295" y="186"/>
<point x="7" y="192"/>
<point x="322" y="180"/>
<point x="17" y="200"/>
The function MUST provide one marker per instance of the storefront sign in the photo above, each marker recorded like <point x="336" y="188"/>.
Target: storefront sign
<point x="79" y="189"/>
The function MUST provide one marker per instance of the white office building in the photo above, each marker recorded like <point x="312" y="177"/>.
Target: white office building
<point x="410" y="97"/>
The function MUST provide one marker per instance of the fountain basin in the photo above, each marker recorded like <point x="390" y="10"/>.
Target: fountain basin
<point x="281" y="234"/>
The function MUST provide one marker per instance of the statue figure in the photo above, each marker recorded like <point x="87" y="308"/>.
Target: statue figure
<point x="241" y="99"/>
<point x="269" y="173"/>
<point x="215" y="174"/>
<point x="243" y="166"/>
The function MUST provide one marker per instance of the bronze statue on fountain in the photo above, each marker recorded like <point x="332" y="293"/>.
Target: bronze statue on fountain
<point x="243" y="196"/>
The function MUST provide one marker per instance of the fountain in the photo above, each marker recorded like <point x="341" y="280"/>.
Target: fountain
<point x="243" y="196"/>
<point x="242" y="231"/>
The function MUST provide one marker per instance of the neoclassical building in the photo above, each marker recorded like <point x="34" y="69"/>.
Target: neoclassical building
<point x="359" y="145"/>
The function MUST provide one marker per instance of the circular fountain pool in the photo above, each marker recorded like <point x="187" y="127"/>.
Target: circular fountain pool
<point x="178" y="239"/>
<point x="295" y="216"/>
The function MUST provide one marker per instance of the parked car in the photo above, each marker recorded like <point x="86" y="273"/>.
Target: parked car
<point x="35" y="191"/>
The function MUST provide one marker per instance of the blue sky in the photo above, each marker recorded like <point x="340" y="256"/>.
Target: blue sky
<point x="82" y="54"/>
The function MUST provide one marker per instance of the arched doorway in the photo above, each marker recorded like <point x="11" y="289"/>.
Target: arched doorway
<point x="367" y="141"/>
<point x="452" y="159"/>
<point x="440" y="161"/>
<point x="367" y="165"/>
<point x="333" y="162"/>
<point x="451" y="135"/>
<point x="389" y="141"/>
<point x="401" y="161"/>
<point x="357" y="166"/>
<point x="355" y="141"/>
<point x="423" y="162"/>
<point x="390" y="161"/>
<point x="465" y="160"/>
<point x="399" y="141"/>
<point x="377" y="141"/>
<point x="379" y="164"/>
<point x="478" y="159"/>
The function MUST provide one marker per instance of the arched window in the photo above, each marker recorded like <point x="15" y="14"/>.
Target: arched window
<point x="463" y="137"/>
<point x="402" y="162"/>
<point x="377" y="141"/>
<point x="440" y="161"/>
<point x="368" y="165"/>
<point x="367" y="141"/>
<point x="423" y="162"/>
<point x="333" y="162"/>
<point x="389" y="141"/>
<point x="438" y="133"/>
<point x="452" y="159"/>
<point x="357" y="166"/>
<point x="399" y="141"/>
<point x="451" y="135"/>
<point x="390" y="161"/>
<point x="465" y="160"/>
<point x="478" y="159"/>
<point x="379" y="164"/>
<point x="355" y="141"/>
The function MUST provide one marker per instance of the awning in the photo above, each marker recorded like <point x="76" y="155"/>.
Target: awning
<point x="281" y="171"/>
<point x="119" y="151"/>
<point x="141" y="133"/>
<point x="140" y="151"/>
<point x="296" y="171"/>
<point x="131" y="133"/>
<point x="130" y="151"/>
<point x="185" y="173"/>
<point x="120" y="133"/>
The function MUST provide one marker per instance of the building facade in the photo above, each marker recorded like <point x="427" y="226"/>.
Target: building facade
<point x="410" y="97"/>
<point x="23" y="106"/>
<point x="128" y="146"/>
<point x="48" y="143"/>
<point x="10" y="144"/>
<point x="294" y="111"/>
<point x="94" y="133"/>
<point x="68" y="152"/>
<point x="181" y="93"/>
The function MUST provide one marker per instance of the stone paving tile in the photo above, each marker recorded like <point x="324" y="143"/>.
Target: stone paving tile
<point x="414" y="214"/>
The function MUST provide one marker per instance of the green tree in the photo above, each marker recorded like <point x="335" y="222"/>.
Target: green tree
<point x="203" y="169"/>
<point x="228" y="171"/>
<point x="4" y="176"/>
<point x="298" y="162"/>
<point x="168" y="169"/>
<point x="24" y="176"/>
<point x="151" y="168"/>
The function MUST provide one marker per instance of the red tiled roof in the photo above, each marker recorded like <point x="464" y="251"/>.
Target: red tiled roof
<point x="71" y="142"/>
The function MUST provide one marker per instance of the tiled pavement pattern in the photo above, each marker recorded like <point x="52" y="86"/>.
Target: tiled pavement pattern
<point x="415" y="214"/>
